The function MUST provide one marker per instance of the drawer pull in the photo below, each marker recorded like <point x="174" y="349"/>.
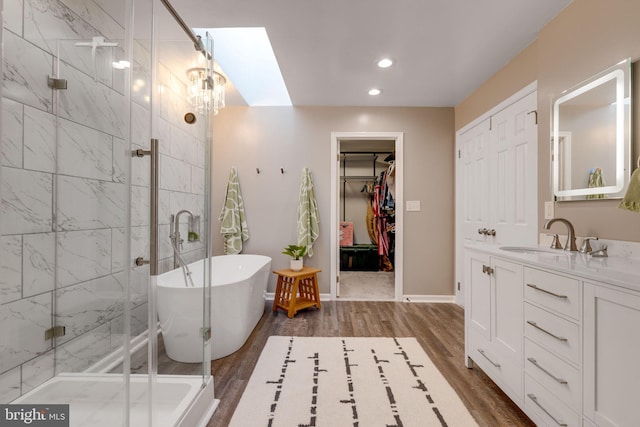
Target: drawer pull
<point x="535" y="400"/>
<point x="535" y="325"/>
<point x="546" y="291"/>
<point x="481" y="351"/>
<point x="535" y="363"/>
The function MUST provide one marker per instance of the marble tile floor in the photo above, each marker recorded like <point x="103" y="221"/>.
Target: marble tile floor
<point x="367" y="285"/>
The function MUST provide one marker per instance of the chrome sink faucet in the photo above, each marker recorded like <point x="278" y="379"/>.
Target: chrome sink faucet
<point x="570" y="245"/>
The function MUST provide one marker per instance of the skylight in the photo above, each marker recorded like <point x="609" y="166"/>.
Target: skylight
<point x="247" y="58"/>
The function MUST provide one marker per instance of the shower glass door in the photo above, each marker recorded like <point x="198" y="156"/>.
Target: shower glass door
<point x="90" y="181"/>
<point x="182" y="123"/>
<point x="99" y="302"/>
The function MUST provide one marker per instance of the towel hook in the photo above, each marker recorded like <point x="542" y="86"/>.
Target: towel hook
<point x="258" y="171"/>
<point x="282" y="170"/>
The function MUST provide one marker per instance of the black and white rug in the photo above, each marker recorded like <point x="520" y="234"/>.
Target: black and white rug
<point x="340" y="382"/>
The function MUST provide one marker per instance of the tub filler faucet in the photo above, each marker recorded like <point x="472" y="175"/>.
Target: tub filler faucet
<point x="174" y="233"/>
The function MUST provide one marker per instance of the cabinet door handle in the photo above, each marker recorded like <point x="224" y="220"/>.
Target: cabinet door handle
<point x="535" y="325"/>
<point x="537" y="365"/>
<point x="481" y="351"/>
<point x="535" y="400"/>
<point x="546" y="291"/>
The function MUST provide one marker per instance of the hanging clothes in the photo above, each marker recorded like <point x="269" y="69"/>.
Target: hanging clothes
<point x="377" y="212"/>
<point x="371" y="222"/>
<point x="391" y="179"/>
<point x="381" y="216"/>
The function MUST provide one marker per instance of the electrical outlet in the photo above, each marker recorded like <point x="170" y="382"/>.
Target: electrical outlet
<point x="548" y="210"/>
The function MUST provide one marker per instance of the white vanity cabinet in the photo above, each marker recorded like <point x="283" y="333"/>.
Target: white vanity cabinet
<point x="611" y="355"/>
<point x="562" y="345"/>
<point x="494" y="319"/>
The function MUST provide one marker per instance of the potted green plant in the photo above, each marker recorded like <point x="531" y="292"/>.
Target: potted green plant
<point x="296" y="252"/>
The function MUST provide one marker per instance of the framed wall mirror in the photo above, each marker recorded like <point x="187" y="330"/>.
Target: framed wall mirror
<point x="591" y="139"/>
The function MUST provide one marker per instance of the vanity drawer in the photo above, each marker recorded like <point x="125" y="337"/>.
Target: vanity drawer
<point x="555" y="292"/>
<point x="545" y="408"/>
<point x="504" y="372"/>
<point x="554" y="374"/>
<point x="560" y="336"/>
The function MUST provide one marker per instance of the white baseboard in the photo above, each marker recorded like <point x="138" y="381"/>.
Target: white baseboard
<point x="429" y="298"/>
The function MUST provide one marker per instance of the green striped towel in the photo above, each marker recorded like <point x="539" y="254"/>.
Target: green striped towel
<point x="596" y="179"/>
<point x="631" y="201"/>
<point x="308" y="217"/>
<point x="233" y="226"/>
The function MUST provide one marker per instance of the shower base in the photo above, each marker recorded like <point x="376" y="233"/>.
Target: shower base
<point x="98" y="399"/>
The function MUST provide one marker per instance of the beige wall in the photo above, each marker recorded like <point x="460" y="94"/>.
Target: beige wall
<point x="518" y="73"/>
<point x="585" y="38"/>
<point x="270" y="138"/>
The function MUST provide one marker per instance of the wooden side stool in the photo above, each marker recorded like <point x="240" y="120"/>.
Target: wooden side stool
<point x="296" y="290"/>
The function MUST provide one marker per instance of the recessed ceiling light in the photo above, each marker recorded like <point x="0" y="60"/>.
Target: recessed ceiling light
<point x="385" y="63"/>
<point x="374" y="92"/>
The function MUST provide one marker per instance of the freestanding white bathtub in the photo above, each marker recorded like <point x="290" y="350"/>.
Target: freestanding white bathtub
<point x="238" y="286"/>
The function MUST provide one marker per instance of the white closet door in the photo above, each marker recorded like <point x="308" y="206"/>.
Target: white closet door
<point x="475" y="174"/>
<point x="514" y="173"/>
<point x="472" y="193"/>
<point x="497" y="177"/>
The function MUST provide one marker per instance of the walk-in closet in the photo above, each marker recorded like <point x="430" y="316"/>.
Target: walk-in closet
<point x="367" y="220"/>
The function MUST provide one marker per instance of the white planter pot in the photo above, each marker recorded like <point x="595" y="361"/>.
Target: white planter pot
<point x="296" y="264"/>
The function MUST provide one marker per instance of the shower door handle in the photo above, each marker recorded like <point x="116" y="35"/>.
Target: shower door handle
<point x="153" y="208"/>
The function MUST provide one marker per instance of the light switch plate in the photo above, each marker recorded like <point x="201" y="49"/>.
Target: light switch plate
<point x="413" y="205"/>
<point x="548" y="210"/>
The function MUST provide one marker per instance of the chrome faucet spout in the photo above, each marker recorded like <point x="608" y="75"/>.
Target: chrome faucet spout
<point x="177" y="218"/>
<point x="570" y="245"/>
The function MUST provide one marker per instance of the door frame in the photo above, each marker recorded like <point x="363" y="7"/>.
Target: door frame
<point x="336" y="137"/>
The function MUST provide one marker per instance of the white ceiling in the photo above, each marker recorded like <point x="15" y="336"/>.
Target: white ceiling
<point x="328" y="49"/>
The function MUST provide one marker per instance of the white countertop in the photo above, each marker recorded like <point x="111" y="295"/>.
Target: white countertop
<point x="615" y="270"/>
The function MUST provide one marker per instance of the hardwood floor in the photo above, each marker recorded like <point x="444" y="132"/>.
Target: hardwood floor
<point x="438" y="327"/>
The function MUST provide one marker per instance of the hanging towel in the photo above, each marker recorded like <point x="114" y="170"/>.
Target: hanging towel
<point x="308" y="217"/>
<point x="631" y="201"/>
<point x="233" y="226"/>
<point x="596" y="180"/>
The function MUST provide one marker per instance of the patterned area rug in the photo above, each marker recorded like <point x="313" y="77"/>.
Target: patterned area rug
<point x="339" y="382"/>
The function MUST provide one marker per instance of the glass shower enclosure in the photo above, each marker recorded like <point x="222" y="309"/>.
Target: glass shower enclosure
<point x="96" y="156"/>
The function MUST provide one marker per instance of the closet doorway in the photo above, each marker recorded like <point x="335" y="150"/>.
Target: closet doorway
<point x="367" y="216"/>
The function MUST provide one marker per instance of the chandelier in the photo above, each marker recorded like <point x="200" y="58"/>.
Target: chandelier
<point x="205" y="93"/>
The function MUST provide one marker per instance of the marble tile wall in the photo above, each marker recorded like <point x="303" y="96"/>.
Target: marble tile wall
<point x="64" y="157"/>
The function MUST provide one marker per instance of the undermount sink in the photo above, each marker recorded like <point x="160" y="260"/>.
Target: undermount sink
<point x="527" y="250"/>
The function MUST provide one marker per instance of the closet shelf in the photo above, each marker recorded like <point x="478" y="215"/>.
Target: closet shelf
<point x="358" y="156"/>
<point x="358" y="178"/>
